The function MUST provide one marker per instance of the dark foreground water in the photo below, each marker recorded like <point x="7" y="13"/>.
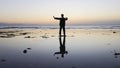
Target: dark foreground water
<point x="43" y="48"/>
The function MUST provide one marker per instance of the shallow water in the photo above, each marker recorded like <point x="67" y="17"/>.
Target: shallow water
<point x="43" y="48"/>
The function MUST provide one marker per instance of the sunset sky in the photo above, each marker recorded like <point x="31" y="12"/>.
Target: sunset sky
<point x="42" y="11"/>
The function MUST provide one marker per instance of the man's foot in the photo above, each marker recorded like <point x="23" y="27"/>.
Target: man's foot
<point x="62" y="35"/>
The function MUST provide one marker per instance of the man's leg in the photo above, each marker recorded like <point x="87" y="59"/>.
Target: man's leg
<point x="64" y="30"/>
<point x="60" y="30"/>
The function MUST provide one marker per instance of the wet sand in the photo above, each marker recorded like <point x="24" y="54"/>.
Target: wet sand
<point x="37" y="48"/>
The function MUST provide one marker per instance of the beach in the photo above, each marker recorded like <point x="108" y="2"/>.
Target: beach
<point x="38" y="48"/>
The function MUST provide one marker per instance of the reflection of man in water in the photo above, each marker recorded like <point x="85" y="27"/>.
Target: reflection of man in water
<point x="62" y="23"/>
<point x="62" y="47"/>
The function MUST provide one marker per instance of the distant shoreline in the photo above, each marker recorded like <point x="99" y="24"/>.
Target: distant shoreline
<point x="67" y="27"/>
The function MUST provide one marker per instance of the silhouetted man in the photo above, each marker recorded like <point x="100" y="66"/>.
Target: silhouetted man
<point x="62" y="23"/>
<point x="62" y="47"/>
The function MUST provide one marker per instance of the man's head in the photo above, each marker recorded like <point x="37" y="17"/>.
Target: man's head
<point x="62" y="15"/>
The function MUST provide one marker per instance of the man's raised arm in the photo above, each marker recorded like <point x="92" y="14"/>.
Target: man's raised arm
<point x="56" y="18"/>
<point x="66" y="18"/>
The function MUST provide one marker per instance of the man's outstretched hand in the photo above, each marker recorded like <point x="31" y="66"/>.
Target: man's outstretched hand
<point x="53" y="17"/>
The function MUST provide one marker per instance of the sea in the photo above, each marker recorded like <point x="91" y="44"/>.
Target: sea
<point x="57" y="27"/>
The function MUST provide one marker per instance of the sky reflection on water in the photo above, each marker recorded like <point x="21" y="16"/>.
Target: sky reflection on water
<point x="86" y="49"/>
